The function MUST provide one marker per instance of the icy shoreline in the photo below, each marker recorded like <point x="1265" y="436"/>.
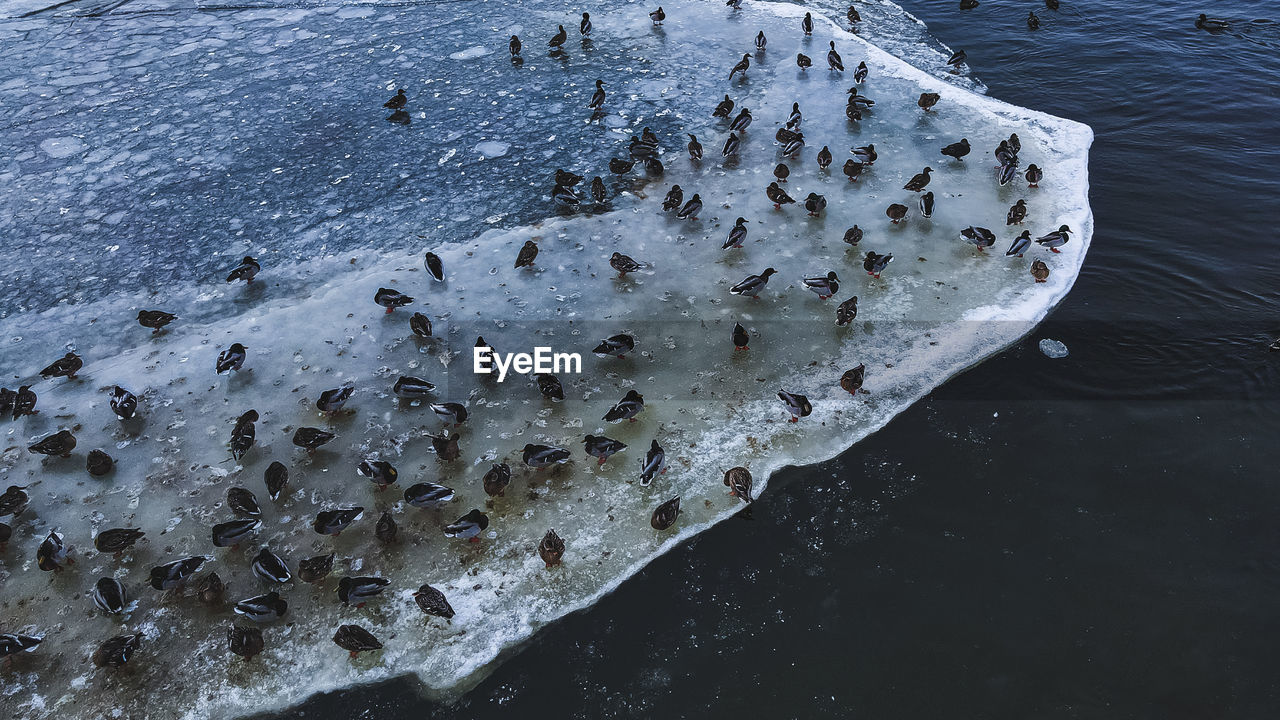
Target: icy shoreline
<point x="518" y="596"/>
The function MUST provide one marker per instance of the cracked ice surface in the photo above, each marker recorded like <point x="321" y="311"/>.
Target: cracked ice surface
<point x="215" y="134"/>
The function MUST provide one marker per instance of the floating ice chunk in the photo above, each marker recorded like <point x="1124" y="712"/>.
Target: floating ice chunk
<point x="471" y="53"/>
<point x="1053" y="348"/>
<point x="492" y="149"/>
<point x="61" y="147"/>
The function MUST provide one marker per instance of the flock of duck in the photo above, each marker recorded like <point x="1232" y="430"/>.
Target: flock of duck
<point x="56" y="554"/>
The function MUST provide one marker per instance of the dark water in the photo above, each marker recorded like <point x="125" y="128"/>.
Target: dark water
<point x="1089" y="537"/>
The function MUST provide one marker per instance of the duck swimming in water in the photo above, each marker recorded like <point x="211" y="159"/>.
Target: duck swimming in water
<point x="1033" y="21"/>
<point x="398" y="101"/>
<point x="1207" y="23"/>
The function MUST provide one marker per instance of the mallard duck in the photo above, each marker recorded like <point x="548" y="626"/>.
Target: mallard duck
<point x="451" y="412"/>
<point x="14" y="500"/>
<point x="244" y="641"/>
<point x="803" y="61"/>
<point x="738" y="480"/>
<point x="852" y="169"/>
<point x="117" y="540"/>
<point x="435" y="268"/>
<point x="847" y="312"/>
<point x="824" y="158"/>
<point x="558" y="39"/>
<point x="117" y="651"/>
<point x="355" y="640"/>
<point x="815" y="204"/>
<point x="851" y="380"/>
<point x="694" y="147"/>
<point x="653" y="464"/>
<point x="155" y="319"/>
<point x="549" y="386"/>
<point x="433" y="602"/>
<point x="391" y="299"/>
<point x="59" y="443"/>
<point x="752" y="285"/>
<point x="736" y="234"/>
<point x="1017" y="213"/>
<point x="11" y="644"/>
<point x="276" y="476"/>
<point x="231" y="359"/>
<point x="1039" y="271"/>
<point x="420" y="325"/>
<point x="360" y="589"/>
<point x="875" y="263"/>
<point x="263" y="608"/>
<point x="798" y="405"/>
<point x="551" y="549"/>
<point x="24" y="402"/>
<point x="270" y="567"/>
<point x="247" y="270"/>
<point x="957" y="150"/>
<point x="980" y="237"/>
<point x="333" y="522"/>
<point x="497" y="479"/>
<point x="919" y="181"/>
<point x="243" y="434"/>
<point x="860" y="73"/>
<point x="427" y="495"/>
<point x="618" y="345"/>
<point x="398" y="101"/>
<point x="778" y="196"/>
<point x="1033" y="20"/>
<point x="232" y="532"/>
<point x="692" y="208"/>
<point x="243" y="502"/>
<point x="408" y="387"/>
<point x="740" y="337"/>
<point x="172" y="574"/>
<point x="657" y="16"/>
<point x="602" y="447"/>
<point x="824" y="285"/>
<point x="926" y="205"/>
<point x="53" y="552"/>
<point x="1053" y="240"/>
<point x="623" y="264"/>
<point x="1020" y="244"/>
<point x="928" y="100"/>
<point x="865" y="154"/>
<point x="66" y="366"/>
<point x="310" y="439"/>
<point x="664" y="516"/>
<point x="380" y="472"/>
<point x="725" y="106"/>
<point x="210" y="589"/>
<point x="1205" y="23"/>
<point x="540" y="456"/>
<point x="468" y="527"/>
<point x="98" y="463"/>
<point x="896" y="212"/>
<point x="807" y="24"/>
<point x="626" y="409"/>
<point x="528" y="253"/>
<point x="315" y="569"/>
<point x="1034" y="175"/>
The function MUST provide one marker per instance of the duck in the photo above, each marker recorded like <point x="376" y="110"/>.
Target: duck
<point x="551" y="549"/>
<point x="597" y="97"/>
<point x="653" y="166"/>
<point x="865" y="154"/>
<point x="231" y="359"/>
<point x="785" y="135"/>
<point x="173" y="574"/>
<point x="793" y="146"/>
<point x="695" y="147"/>
<point x="98" y="463"/>
<point x="232" y="532"/>
<point x="53" y="552"/>
<point x="664" y="516"/>
<point x="468" y="527"/>
<point x="123" y="403"/>
<point x="360" y="589"/>
<point x="270" y="567"/>
<point x="244" y="641"/>
<point x="117" y="651"/>
<point x="1020" y="244"/>
<point x="1039" y="271"/>
<point x="803" y="62"/>
<point x="315" y="569"/>
<point x="623" y="264"/>
<point x="66" y="366"/>
<point x="380" y="472"/>
<point x="752" y="285"/>
<point x="59" y="443"/>
<point x="398" y="101"/>
<point x="853" y="15"/>
<point x="428" y="495"/>
<point x="657" y="16"/>
<point x="210" y="589"/>
<point x="736" y="234"/>
<point x="926" y="205"/>
<point x="568" y="197"/>
<point x="262" y="608"/>
<point x="875" y="263"/>
<point x="540" y="456"/>
<point x="550" y="387"/>
<point x="824" y="158"/>
<point x="391" y="299"/>
<point x="1015" y="143"/>
<point x="957" y="59"/>
<point x="824" y="286"/>
<point x="276" y="476"/>
<point x="853" y="235"/>
<point x="807" y="24"/>
<point x="860" y="73"/>
<point x="618" y="345"/>
<point x="247" y="270"/>
<point x="584" y="27"/>
<point x="798" y="405"/>
<point x="919" y="181"/>
<point x="243" y="434"/>
<point x="631" y="405"/>
<point x="834" y="61"/>
<point x="598" y="191"/>
<point x="333" y="522"/>
<point x="815" y="204"/>
<point x="528" y="252"/>
<point x="1004" y="153"/>
<point x="778" y="196"/>
<point x="761" y="41"/>
<point x="420" y="325"/>
<point x="854" y="112"/>
<point x="243" y="503"/>
<point x="653" y="464"/>
<point x="981" y="237"/>
<point x="691" y="208"/>
<point x="1017" y="213"/>
<point x="851" y="380"/>
<point x="782" y="172"/>
<point x="957" y="150"/>
<point x="155" y="319"/>
<point x="385" y="529"/>
<point x="355" y="640"/>
<point x="451" y="412"/>
<point x="847" y="312"/>
<point x="433" y="265"/>
<point x="311" y="439"/>
<point x="725" y="106"/>
<point x="1204" y="22"/>
<point x="1033" y="21"/>
<point x="896" y="212"/>
<point x="11" y="644"/>
<point x="858" y="99"/>
<point x="558" y="39"/>
<point x="433" y="602"/>
<point x="852" y="169"/>
<point x="1055" y="239"/>
<point x="331" y="401"/>
<point x="13" y="500"/>
<point x="742" y="121"/>
<point x="7" y="399"/>
<point x="117" y="540"/>
<point x="515" y="46"/>
<point x="738" y="480"/>
<point x="674" y="198"/>
<point x="928" y="100"/>
<point x="1008" y="171"/>
<point x="446" y="446"/>
<point x="740" y="337"/>
<point x="1034" y="175"/>
<point x="497" y="479"/>
<point x="602" y="447"/>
